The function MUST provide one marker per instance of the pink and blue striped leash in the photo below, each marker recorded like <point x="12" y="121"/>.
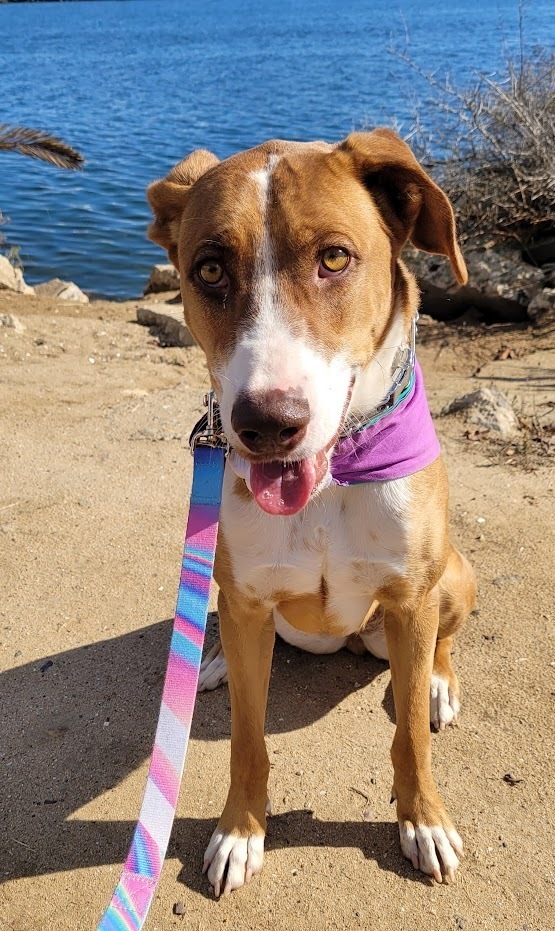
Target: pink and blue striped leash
<point x="135" y="890"/>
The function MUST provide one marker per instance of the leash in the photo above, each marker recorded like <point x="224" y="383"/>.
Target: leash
<point x="137" y="884"/>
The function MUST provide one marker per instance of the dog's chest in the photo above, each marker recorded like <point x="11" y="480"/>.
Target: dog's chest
<point x="344" y="544"/>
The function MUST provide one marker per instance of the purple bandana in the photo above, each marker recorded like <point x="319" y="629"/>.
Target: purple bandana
<point x="401" y="443"/>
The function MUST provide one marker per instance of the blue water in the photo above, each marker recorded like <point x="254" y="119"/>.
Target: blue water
<point x="136" y="85"/>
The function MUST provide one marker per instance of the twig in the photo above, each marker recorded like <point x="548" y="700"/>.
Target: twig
<point x="21" y="844"/>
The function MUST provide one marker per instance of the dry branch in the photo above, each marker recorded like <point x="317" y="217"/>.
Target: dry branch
<point x="494" y="152"/>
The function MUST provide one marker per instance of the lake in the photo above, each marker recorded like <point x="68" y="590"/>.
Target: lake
<point x="136" y="85"/>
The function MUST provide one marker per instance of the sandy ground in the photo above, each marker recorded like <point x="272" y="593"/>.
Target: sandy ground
<point x="93" y="496"/>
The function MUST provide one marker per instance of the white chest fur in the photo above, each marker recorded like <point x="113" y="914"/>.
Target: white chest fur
<point x="353" y="538"/>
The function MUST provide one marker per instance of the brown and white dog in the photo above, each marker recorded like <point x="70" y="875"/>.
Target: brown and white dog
<point x="293" y="285"/>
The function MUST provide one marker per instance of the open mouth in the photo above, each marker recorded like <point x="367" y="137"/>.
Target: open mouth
<point x="284" y="488"/>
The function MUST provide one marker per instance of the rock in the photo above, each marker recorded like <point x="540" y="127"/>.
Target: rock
<point x="541" y="308"/>
<point x="65" y="290"/>
<point x="529" y="378"/>
<point x="488" y="408"/>
<point x="503" y="272"/>
<point x="168" y="320"/>
<point x="11" y="279"/>
<point x="500" y="283"/>
<point x="13" y="322"/>
<point x="162" y="278"/>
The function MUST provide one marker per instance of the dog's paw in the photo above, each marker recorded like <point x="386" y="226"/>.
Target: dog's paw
<point x="213" y="669"/>
<point x="231" y="861"/>
<point x="435" y="850"/>
<point x="444" y="703"/>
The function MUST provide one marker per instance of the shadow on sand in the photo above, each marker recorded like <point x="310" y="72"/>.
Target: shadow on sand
<point x="79" y="722"/>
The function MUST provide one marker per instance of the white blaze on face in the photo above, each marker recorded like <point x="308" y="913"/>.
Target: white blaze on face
<point x="268" y="355"/>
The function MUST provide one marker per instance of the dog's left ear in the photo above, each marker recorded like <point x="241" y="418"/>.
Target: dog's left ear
<point x="411" y="204"/>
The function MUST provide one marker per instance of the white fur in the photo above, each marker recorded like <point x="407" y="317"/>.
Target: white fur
<point x="373" y="383"/>
<point x="213" y="670"/>
<point x="373" y="637"/>
<point x="444" y="705"/>
<point x="243" y="856"/>
<point x="355" y="538"/>
<point x="273" y="353"/>
<point x="425" y="845"/>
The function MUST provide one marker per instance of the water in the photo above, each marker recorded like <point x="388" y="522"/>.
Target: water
<point x="137" y="85"/>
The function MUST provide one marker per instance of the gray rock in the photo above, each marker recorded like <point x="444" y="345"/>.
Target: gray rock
<point x="488" y="408"/>
<point x="11" y="279"/>
<point x="13" y="322"/>
<point x="500" y="283"/>
<point x="162" y="278"/>
<point x="167" y="320"/>
<point x="541" y="308"/>
<point x="64" y="290"/>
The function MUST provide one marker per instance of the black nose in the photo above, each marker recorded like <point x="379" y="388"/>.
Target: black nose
<point x="271" y="423"/>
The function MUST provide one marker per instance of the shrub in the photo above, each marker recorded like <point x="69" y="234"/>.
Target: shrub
<point x="494" y="150"/>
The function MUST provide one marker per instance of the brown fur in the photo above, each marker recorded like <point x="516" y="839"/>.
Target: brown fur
<point x="370" y="196"/>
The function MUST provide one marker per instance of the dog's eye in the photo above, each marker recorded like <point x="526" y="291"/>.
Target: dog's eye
<point x="334" y="259"/>
<point x="211" y="273"/>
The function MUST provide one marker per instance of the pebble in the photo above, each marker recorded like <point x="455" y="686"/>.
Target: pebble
<point x="179" y="908"/>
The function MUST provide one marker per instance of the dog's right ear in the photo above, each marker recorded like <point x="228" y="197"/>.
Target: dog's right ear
<point x="167" y="198"/>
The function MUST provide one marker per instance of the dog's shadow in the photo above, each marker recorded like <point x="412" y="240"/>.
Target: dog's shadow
<point x="79" y="722"/>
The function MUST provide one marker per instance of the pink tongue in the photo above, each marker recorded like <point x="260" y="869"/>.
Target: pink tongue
<point x="283" y="487"/>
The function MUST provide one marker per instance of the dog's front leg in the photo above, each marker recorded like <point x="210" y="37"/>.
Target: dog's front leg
<point x="428" y="837"/>
<point x="236" y="849"/>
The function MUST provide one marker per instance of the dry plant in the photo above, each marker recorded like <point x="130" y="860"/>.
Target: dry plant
<point x="36" y="144"/>
<point x="39" y="144"/>
<point x="492" y="146"/>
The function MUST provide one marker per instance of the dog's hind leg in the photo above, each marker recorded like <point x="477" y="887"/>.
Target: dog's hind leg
<point x="213" y="669"/>
<point x="457" y="595"/>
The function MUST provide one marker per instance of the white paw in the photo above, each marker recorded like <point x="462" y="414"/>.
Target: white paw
<point x="242" y="856"/>
<point x="213" y="670"/>
<point x="431" y="849"/>
<point x="444" y="704"/>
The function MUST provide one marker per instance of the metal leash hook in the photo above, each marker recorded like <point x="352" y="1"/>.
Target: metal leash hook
<point x="208" y="430"/>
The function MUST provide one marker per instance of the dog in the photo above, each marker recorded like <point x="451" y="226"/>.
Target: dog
<point x="334" y="523"/>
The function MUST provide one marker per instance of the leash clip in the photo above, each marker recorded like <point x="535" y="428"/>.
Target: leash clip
<point x="208" y="431"/>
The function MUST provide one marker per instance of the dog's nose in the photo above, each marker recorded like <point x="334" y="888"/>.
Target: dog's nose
<point x="271" y="423"/>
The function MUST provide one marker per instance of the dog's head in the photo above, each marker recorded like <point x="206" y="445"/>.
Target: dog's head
<point x="291" y="282"/>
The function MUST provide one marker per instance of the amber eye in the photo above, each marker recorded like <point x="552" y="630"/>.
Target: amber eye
<point x="211" y="273"/>
<point x="335" y="259"/>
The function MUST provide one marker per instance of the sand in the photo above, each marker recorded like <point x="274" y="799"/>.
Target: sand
<point x="95" y="475"/>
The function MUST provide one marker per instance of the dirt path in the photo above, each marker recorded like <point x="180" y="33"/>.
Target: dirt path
<point x="92" y="508"/>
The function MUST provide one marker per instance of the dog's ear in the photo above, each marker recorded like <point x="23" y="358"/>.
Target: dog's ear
<point x="412" y="206"/>
<point x="167" y="198"/>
